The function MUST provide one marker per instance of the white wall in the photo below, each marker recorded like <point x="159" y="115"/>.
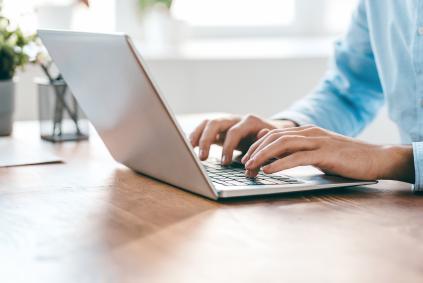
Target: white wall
<point x="261" y="86"/>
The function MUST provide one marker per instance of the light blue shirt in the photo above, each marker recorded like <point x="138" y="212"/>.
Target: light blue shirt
<point x="380" y="59"/>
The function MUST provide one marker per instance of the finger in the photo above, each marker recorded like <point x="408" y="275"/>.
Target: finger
<point x="251" y="173"/>
<point x="232" y="140"/>
<point x="208" y="137"/>
<point x="282" y="146"/>
<point x="264" y="141"/>
<point x="272" y="136"/>
<point x="194" y="137"/>
<point x="301" y="158"/>
<point x="249" y="126"/>
<point x="211" y="133"/>
<point x="260" y="135"/>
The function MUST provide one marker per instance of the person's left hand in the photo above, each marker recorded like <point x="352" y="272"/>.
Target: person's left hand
<point x="282" y="149"/>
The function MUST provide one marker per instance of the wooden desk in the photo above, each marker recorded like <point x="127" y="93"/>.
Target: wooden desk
<point x="92" y="220"/>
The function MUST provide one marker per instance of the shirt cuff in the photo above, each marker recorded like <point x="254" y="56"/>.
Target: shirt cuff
<point x="297" y="117"/>
<point x="418" y="166"/>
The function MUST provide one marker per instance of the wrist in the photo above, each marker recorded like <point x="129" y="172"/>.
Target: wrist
<point x="281" y="124"/>
<point x="397" y="163"/>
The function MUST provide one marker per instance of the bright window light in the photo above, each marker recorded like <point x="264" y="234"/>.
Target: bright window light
<point x="61" y="14"/>
<point x="235" y="12"/>
<point x="338" y="14"/>
<point x="100" y="17"/>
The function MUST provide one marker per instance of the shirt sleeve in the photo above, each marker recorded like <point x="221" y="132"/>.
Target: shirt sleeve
<point x="418" y="166"/>
<point x="350" y="95"/>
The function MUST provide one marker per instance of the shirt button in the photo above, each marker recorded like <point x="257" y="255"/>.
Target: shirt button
<point x="420" y="31"/>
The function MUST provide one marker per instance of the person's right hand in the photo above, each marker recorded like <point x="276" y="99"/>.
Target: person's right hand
<point x="233" y="132"/>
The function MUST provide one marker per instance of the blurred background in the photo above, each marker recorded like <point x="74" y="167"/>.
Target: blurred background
<point x="238" y="56"/>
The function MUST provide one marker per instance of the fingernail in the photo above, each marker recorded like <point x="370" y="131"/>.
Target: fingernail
<point x="223" y="160"/>
<point x="228" y="160"/>
<point x="244" y="159"/>
<point x="250" y="173"/>
<point x="202" y="154"/>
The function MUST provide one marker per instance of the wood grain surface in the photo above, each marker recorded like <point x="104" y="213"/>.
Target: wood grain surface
<point x="93" y="220"/>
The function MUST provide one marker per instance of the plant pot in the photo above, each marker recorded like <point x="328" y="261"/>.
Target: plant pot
<point x="160" y="31"/>
<point x="128" y="17"/>
<point x="7" y="106"/>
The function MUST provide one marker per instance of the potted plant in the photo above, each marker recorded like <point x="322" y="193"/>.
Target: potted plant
<point x="12" y="56"/>
<point x="57" y="14"/>
<point x="151" y="3"/>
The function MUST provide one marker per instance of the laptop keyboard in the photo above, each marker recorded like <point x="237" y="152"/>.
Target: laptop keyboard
<point x="234" y="175"/>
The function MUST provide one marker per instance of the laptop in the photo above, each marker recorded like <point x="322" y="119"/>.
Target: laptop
<point x="113" y="86"/>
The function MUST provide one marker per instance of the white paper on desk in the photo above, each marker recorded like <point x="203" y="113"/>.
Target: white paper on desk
<point x="15" y="152"/>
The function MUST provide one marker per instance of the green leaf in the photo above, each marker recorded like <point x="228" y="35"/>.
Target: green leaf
<point x="12" y="44"/>
<point x="145" y="4"/>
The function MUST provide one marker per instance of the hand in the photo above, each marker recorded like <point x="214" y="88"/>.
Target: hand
<point x="330" y="152"/>
<point x="233" y="132"/>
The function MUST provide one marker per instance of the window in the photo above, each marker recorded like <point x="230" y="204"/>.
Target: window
<point x="235" y="12"/>
<point x="205" y="18"/>
<point x="60" y="14"/>
<point x="264" y="17"/>
<point x="338" y="14"/>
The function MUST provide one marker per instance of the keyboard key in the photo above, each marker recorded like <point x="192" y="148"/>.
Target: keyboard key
<point x="235" y="176"/>
<point x="266" y="182"/>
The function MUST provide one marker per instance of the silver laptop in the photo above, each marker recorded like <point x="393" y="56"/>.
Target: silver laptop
<point x="110" y="80"/>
